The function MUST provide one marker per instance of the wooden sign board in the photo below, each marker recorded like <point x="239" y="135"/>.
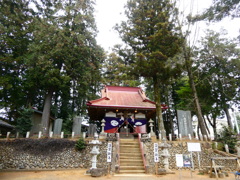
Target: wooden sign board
<point x="179" y="160"/>
<point x="196" y="147"/>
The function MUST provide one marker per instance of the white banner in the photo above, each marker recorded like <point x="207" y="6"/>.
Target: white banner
<point x="109" y="152"/>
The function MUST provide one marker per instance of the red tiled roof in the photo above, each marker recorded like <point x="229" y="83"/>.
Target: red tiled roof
<point x="123" y="97"/>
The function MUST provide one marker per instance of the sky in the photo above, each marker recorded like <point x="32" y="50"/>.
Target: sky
<point x="110" y="12"/>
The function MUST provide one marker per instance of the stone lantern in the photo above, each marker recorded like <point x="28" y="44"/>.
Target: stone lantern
<point x="103" y="135"/>
<point x="151" y="122"/>
<point x="95" y="150"/>
<point x="103" y="125"/>
<point x="165" y="154"/>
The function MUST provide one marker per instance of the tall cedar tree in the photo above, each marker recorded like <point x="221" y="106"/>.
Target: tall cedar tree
<point x="152" y="33"/>
<point x="15" y="36"/>
<point x="64" y="50"/>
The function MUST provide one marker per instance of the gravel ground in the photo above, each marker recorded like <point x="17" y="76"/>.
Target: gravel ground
<point x="77" y="174"/>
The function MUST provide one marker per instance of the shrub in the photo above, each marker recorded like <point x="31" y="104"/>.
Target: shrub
<point x="80" y="144"/>
<point x="229" y="137"/>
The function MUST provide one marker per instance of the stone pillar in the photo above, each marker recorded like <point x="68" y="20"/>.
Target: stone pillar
<point x="57" y="127"/>
<point x="77" y="125"/>
<point x="91" y="130"/>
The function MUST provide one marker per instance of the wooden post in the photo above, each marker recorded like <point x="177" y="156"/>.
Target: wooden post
<point x="8" y="135"/>
<point x="84" y="135"/>
<point x="200" y="136"/>
<point x="62" y="134"/>
<point x="180" y="137"/>
<point x="73" y="133"/>
<point x="156" y="168"/>
<point x="39" y="134"/>
<point x="17" y="135"/>
<point x="190" y="137"/>
<point x="215" y="170"/>
<point x="160" y="136"/>
<point x="170" y="137"/>
<point x="226" y="148"/>
<point x="28" y="134"/>
<point x="51" y="134"/>
<point x="216" y="145"/>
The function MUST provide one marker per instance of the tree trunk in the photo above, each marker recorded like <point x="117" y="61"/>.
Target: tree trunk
<point x="157" y="98"/>
<point x="46" y="113"/>
<point x="229" y="120"/>
<point x="215" y="128"/>
<point x="206" y="125"/>
<point x="194" y="92"/>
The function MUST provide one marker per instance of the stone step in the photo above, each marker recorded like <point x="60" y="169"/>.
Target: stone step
<point x="131" y="168"/>
<point x="129" y="144"/>
<point x="131" y="171"/>
<point x="129" y="155"/>
<point x="130" y="150"/>
<point x="131" y="163"/>
<point x="132" y="160"/>
<point x="128" y="140"/>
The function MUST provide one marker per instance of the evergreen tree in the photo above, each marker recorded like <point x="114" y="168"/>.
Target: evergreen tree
<point x="153" y="35"/>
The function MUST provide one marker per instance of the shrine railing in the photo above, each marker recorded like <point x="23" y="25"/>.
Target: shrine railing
<point x="143" y="153"/>
<point x="117" y="166"/>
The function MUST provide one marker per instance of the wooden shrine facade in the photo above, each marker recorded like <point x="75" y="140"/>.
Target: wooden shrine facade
<point x="123" y="107"/>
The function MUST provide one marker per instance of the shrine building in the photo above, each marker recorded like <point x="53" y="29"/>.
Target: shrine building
<point x="123" y="108"/>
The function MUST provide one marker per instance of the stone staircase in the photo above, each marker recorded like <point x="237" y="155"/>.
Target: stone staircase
<point x="130" y="157"/>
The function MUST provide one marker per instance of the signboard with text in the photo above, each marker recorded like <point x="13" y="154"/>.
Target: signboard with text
<point x="185" y="123"/>
<point x="179" y="160"/>
<point x="196" y="147"/>
<point x="109" y="152"/>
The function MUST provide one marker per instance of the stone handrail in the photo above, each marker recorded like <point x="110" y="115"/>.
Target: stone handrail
<point x="143" y="154"/>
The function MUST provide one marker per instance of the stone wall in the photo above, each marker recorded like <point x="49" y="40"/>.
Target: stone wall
<point x="178" y="147"/>
<point x="65" y="157"/>
<point x="14" y="157"/>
